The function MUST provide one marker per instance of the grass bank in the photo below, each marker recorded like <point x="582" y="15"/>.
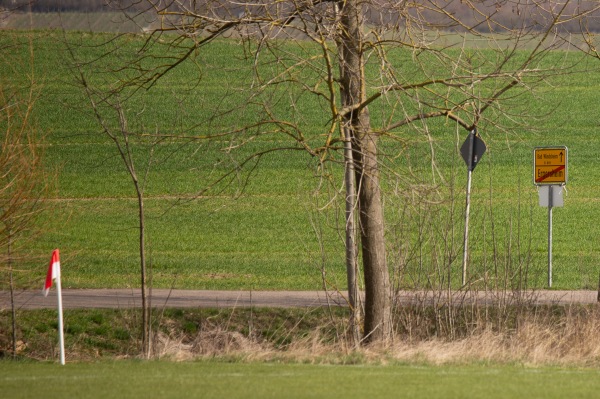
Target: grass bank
<point x="563" y="336"/>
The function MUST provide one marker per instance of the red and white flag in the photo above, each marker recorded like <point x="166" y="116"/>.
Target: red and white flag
<point x="54" y="274"/>
<point x="53" y="271"/>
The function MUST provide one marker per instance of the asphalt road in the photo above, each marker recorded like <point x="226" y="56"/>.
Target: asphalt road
<point x="128" y="298"/>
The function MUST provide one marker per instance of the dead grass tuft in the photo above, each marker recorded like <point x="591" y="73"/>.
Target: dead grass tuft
<point x="219" y="342"/>
<point x="207" y="344"/>
<point x="541" y="336"/>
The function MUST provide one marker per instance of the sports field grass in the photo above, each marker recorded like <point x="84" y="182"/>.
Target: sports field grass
<point x="263" y="230"/>
<point x="206" y="379"/>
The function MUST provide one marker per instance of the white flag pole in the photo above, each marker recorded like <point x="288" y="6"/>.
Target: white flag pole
<point x="61" y="336"/>
<point x="54" y="274"/>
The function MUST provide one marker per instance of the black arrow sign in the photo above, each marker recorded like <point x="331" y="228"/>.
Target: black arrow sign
<point x="472" y="150"/>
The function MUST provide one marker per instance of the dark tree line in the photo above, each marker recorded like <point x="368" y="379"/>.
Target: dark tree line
<point x="64" y="5"/>
<point x="483" y="15"/>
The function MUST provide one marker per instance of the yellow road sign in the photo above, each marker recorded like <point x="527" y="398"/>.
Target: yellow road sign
<point x="550" y="165"/>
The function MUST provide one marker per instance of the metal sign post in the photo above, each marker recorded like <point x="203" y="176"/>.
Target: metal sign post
<point x="466" y="236"/>
<point x="472" y="150"/>
<point x="550" y="236"/>
<point x="550" y="175"/>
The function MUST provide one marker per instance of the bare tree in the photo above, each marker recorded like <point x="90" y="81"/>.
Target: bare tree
<point x="122" y="137"/>
<point x="108" y="111"/>
<point x="23" y="180"/>
<point x="417" y="64"/>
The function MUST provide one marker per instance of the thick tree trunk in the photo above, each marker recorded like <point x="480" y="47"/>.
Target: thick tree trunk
<point x="377" y="326"/>
<point x="377" y="282"/>
<point x="351" y="250"/>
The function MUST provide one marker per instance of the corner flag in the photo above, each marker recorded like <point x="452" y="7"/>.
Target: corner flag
<point x="54" y="274"/>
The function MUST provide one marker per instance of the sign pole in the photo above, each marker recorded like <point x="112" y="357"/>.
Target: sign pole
<point x="466" y="238"/>
<point x="472" y="150"/>
<point x="550" y="204"/>
<point x="468" y="205"/>
<point x="550" y="170"/>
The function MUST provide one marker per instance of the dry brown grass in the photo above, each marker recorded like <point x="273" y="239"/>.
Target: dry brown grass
<point x="209" y="344"/>
<point x="538" y="336"/>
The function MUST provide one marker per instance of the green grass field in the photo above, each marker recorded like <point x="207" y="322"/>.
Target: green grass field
<point x="208" y="379"/>
<point x="263" y="229"/>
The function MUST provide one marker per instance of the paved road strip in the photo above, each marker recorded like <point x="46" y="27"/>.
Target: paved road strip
<point x="128" y="298"/>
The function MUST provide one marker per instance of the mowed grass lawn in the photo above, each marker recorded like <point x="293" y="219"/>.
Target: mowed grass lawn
<point x="266" y="228"/>
<point x="207" y="379"/>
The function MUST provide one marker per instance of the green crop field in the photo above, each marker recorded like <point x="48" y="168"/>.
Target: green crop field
<point x="272" y="380"/>
<point x="280" y="225"/>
